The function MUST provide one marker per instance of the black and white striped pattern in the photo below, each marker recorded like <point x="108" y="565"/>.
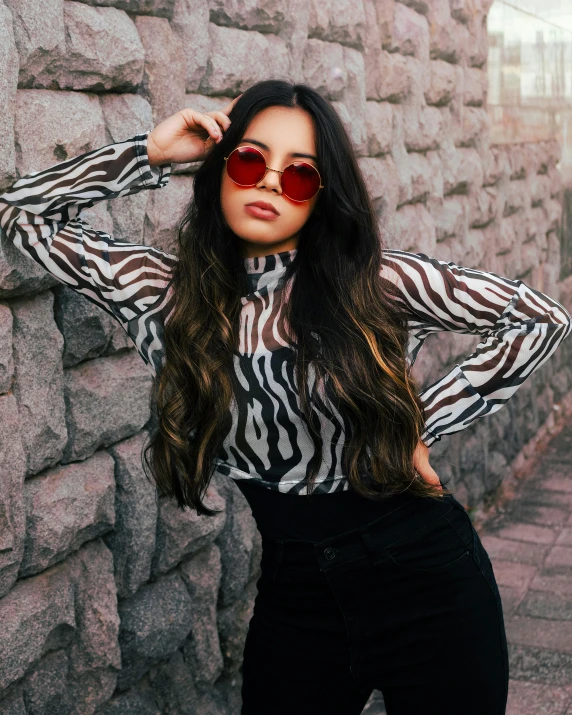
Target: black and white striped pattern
<point x="39" y="214"/>
<point x="268" y="441"/>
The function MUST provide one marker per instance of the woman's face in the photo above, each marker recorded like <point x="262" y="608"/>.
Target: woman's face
<point x="283" y="135"/>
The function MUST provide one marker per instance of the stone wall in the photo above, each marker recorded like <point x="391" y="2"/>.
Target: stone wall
<point x="113" y="601"/>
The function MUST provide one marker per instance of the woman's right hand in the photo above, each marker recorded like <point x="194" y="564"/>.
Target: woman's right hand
<point x="187" y="135"/>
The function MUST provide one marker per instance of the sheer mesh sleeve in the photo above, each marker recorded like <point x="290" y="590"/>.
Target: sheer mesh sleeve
<point x="39" y="215"/>
<point x="520" y="329"/>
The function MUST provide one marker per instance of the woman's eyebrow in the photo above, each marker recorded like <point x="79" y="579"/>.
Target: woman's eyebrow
<point x="263" y="146"/>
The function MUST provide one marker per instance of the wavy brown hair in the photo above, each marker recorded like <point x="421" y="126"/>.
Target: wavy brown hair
<point x="345" y="322"/>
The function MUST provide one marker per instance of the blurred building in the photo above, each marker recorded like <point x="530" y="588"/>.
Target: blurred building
<point x="530" y="85"/>
<point x="530" y="73"/>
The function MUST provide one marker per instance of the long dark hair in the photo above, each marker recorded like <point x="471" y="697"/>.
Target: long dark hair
<point x="343" y="318"/>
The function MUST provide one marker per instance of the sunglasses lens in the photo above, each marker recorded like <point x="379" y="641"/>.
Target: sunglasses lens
<point x="246" y="166"/>
<point x="300" y="181"/>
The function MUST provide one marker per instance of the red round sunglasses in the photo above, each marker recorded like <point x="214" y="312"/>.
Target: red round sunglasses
<point x="246" y="166"/>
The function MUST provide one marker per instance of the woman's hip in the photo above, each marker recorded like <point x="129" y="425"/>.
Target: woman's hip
<point x="407" y="601"/>
<point x="414" y="573"/>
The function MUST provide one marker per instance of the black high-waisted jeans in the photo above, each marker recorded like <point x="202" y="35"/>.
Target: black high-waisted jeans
<point x="406" y="604"/>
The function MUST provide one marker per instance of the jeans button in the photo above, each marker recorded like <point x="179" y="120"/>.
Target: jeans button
<point x="330" y="553"/>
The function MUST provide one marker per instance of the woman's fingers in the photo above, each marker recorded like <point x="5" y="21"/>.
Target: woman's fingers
<point x="422" y="466"/>
<point x="188" y="135"/>
<point x="211" y="126"/>
<point x="214" y="122"/>
<point x="195" y="120"/>
<point x="431" y="476"/>
<point x="221" y="118"/>
<point x="213" y="129"/>
<point x="230" y="105"/>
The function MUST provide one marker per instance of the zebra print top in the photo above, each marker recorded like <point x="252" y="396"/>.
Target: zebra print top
<point x="267" y="440"/>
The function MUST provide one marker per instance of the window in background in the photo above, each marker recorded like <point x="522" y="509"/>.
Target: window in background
<point x="530" y="73"/>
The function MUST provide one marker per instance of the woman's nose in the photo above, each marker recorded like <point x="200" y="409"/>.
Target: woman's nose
<point x="271" y="181"/>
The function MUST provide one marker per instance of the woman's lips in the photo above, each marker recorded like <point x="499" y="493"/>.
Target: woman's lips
<point x="257" y="212"/>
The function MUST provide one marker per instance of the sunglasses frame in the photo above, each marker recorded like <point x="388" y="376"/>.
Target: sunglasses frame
<point x="226" y="158"/>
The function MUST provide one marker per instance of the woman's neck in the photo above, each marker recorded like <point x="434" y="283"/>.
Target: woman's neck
<point x="250" y="249"/>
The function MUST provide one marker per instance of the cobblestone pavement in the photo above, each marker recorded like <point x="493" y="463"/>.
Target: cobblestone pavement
<point x="530" y="545"/>
<point x="529" y="541"/>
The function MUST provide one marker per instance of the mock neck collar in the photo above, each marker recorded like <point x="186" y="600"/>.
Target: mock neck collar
<point x="265" y="272"/>
<point x="270" y="262"/>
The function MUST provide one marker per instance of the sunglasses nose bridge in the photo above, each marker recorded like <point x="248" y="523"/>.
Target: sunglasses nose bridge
<point x="279" y="181"/>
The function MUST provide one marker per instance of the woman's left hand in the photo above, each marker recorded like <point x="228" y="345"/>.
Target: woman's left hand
<point x="421" y="464"/>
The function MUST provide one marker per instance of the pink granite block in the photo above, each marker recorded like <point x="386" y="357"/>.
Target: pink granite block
<point x="559" y="556"/>
<point x="537" y="699"/>
<point x="564" y="538"/>
<point x="521" y="531"/>
<point x="540" y="633"/>
<point x="509" y="550"/>
<point x="510" y="597"/>
<point x="560" y="584"/>
<point x="514" y="575"/>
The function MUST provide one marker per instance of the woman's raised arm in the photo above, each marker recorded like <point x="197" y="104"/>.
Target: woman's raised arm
<point x="520" y="326"/>
<point x="40" y="212"/>
<point x="40" y="215"/>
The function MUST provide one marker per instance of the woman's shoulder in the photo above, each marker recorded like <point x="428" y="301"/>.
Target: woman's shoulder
<point x="396" y="264"/>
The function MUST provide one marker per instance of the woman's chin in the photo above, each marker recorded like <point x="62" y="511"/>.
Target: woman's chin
<point x="257" y="234"/>
<point x="259" y="245"/>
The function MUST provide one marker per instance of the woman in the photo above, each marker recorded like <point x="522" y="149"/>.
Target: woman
<point x="281" y="337"/>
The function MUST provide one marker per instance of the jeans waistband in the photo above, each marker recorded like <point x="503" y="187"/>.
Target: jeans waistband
<point x="362" y="541"/>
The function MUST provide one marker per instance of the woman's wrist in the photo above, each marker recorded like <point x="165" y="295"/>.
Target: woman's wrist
<point x="154" y="156"/>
